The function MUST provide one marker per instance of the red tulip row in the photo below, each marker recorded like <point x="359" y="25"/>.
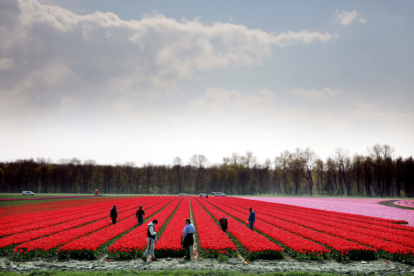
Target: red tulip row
<point x="61" y="217"/>
<point x="89" y="247"/>
<point x="297" y="245"/>
<point x="8" y="243"/>
<point x="66" y="206"/>
<point x="213" y="241"/>
<point x="254" y="245"/>
<point x="12" y="212"/>
<point x="133" y="244"/>
<point x="387" y="249"/>
<point x="169" y="245"/>
<point x="394" y="224"/>
<point x="383" y="233"/>
<point x="48" y="246"/>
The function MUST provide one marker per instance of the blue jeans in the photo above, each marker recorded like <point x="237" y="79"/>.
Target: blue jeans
<point x="140" y="221"/>
<point x="251" y="225"/>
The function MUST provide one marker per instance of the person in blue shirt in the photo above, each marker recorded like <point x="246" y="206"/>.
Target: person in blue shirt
<point x="187" y="239"/>
<point x="252" y="218"/>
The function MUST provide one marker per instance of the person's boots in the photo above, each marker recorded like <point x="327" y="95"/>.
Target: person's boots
<point x="154" y="259"/>
<point x="144" y="259"/>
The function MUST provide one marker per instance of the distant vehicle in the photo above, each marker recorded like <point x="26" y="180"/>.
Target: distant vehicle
<point x="202" y="194"/>
<point x="218" y="194"/>
<point x="184" y="194"/>
<point x="27" y="193"/>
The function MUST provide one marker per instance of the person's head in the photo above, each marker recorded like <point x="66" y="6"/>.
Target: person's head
<point x="250" y="209"/>
<point x="155" y="222"/>
<point x="187" y="221"/>
<point x="114" y="207"/>
<point x="140" y="207"/>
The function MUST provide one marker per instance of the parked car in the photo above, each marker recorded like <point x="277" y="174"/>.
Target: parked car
<point x="202" y="194"/>
<point x="184" y="194"/>
<point x="218" y="194"/>
<point x="27" y="193"/>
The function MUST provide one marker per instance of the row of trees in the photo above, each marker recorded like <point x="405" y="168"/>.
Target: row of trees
<point x="299" y="172"/>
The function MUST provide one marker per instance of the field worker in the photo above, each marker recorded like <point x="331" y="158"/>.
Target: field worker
<point x="140" y="216"/>
<point x="206" y="196"/>
<point x="252" y="218"/>
<point x="151" y="240"/>
<point x="114" y="214"/>
<point x="187" y="239"/>
<point x="223" y="224"/>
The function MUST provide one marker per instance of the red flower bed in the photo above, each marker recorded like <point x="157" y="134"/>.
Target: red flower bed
<point x="9" y="242"/>
<point x="387" y="249"/>
<point x="89" y="247"/>
<point x="169" y="245"/>
<point x="254" y="245"/>
<point x="133" y="244"/>
<point x="298" y="246"/>
<point x="213" y="241"/>
<point x="47" y="246"/>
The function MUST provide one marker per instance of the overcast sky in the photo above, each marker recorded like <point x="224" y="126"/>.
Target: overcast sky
<point x="147" y="81"/>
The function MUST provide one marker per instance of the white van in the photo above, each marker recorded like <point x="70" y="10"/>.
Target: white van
<point x="183" y="194"/>
<point x="27" y="193"/>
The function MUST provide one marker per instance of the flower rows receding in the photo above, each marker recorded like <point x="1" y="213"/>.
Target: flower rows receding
<point x="89" y="247"/>
<point x="342" y="249"/>
<point x="133" y="244"/>
<point x="169" y="244"/>
<point x="60" y="217"/>
<point x="254" y="245"/>
<point x="18" y="216"/>
<point x="287" y="220"/>
<point x="363" y="221"/>
<point x="48" y="246"/>
<point x="213" y="241"/>
<point x="9" y="242"/>
<point x="298" y="246"/>
<point x="383" y="238"/>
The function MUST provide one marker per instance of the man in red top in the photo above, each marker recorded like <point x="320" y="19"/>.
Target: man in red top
<point x="140" y="215"/>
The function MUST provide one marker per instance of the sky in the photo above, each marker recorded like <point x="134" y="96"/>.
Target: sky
<point x="148" y="81"/>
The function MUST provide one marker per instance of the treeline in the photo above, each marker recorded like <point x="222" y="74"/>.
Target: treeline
<point x="291" y="173"/>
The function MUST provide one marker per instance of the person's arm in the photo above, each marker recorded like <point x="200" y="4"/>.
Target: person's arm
<point x="254" y="217"/>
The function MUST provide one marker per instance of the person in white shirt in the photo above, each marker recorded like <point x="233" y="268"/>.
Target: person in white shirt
<point x="151" y="240"/>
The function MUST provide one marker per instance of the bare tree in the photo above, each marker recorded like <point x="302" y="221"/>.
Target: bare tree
<point x="129" y="171"/>
<point x="308" y="159"/>
<point x="177" y="168"/>
<point x="199" y="163"/>
<point x="148" y="172"/>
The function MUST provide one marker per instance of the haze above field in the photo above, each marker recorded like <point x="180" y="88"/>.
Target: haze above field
<point x="152" y="80"/>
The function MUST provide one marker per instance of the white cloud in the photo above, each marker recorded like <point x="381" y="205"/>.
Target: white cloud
<point x="218" y="101"/>
<point x="6" y="63"/>
<point x="101" y="52"/>
<point x="346" y="18"/>
<point x="313" y="94"/>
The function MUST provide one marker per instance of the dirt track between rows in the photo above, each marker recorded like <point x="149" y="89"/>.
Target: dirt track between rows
<point x="378" y="267"/>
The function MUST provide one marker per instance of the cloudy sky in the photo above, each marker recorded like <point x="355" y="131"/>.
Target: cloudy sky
<point x="143" y="81"/>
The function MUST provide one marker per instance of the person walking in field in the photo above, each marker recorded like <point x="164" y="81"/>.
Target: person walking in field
<point x="114" y="214"/>
<point x="151" y="240"/>
<point x="252" y="218"/>
<point x="187" y="240"/>
<point x="140" y="215"/>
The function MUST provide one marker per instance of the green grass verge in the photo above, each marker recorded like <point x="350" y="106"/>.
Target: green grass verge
<point x="165" y="273"/>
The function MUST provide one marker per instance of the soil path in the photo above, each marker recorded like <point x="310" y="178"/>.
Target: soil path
<point x="390" y="203"/>
<point x="378" y="267"/>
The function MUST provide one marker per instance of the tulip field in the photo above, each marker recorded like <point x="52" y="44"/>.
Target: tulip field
<point x="82" y="229"/>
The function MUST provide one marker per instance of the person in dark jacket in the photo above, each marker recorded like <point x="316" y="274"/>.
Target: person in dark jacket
<point x="252" y="218"/>
<point x="206" y="196"/>
<point x="114" y="214"/>
<point x="223" y="224"/>
<point x="187" y="240"/>
<point x="140" y="215"/>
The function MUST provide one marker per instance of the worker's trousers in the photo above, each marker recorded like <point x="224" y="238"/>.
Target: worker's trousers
<point x="251" y="224"/>
<point x="150" y="247"/>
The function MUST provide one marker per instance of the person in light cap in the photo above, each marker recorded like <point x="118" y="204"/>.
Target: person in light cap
<point x="114" y="214"/>
<point x="151" y="240"/>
